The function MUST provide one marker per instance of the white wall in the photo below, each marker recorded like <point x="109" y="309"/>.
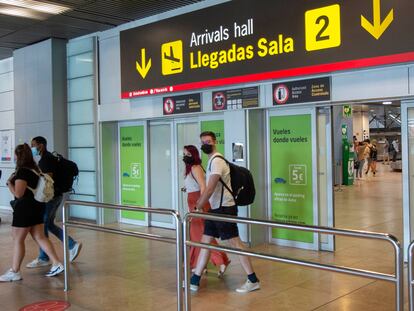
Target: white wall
<point x="361" y="123"/>
<point x="6" y="124"/>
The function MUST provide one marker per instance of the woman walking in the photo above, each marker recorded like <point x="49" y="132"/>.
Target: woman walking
<point x="27" y="214"/>
<point x="195" y="184"/>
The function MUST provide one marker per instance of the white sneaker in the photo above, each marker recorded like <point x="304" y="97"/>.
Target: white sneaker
<point x="37" y="263"/>
<point x="55" y="270"/>
<point x="10" y="276"/>
<point x="248" y="287"/>
<point x="194" y="287"/>
<point x="74" y="252"/>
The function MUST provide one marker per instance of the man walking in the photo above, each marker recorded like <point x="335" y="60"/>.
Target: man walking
<point x="222" y="203"/>
<point x="48" y="165"/>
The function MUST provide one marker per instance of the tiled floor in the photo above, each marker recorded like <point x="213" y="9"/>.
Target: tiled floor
<point x="123" y="273"/>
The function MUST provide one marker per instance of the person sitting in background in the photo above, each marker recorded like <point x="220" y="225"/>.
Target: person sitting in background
<point x="27" y="214"/>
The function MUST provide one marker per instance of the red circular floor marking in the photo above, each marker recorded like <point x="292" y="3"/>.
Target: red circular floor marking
<point x="49" y="305"/>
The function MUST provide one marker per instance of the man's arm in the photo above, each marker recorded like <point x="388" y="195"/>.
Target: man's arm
<point x="212" y="183"/>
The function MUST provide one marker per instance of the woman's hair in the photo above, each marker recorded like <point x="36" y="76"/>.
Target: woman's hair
<point x="196" y="156"/>
<point x="24" y="157"/>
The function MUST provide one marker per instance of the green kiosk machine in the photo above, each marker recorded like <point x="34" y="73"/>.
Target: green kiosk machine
<point x="347" y="158"/>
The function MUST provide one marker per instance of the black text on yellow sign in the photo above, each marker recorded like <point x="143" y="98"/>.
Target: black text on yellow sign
<point x="172" y="57"/>
<point x="323" y="28"/>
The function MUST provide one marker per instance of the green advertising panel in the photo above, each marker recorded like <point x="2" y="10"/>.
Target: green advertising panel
<point x="217" y="127"/>
<point x="291" y="174"/>
<point x="132" y="155"/>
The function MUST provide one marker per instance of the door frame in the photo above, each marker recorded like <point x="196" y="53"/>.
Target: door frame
<point x="330" y="202"/>
<point x="407" y="209"/>
<point x="289" y="111"/>
<point x="173" y="206"/>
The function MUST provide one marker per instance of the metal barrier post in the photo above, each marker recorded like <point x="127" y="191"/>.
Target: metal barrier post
<point x="410" y="277"/>
<point x="179" y="260"/>
<point x="396" y="278"/>
<point x="65" y="246"/>
<point x="187" y="274"/>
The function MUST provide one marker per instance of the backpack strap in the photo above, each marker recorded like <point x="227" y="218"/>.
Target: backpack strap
<point x="38" y="174"/>
<point x="221" y="180"/>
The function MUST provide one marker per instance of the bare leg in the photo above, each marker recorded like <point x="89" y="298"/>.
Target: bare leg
<point x="19" y="235"/>
<point x="203" y="256"/>
<point x="38" y="235"/>
<point x="244" y="260"/>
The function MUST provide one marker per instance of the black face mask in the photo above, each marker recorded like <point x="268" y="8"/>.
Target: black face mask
<point x="188" y="160"/>
<point x="206" y="148"/>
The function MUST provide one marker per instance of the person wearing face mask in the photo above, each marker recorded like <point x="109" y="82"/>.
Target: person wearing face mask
<point x="194" y="182"/>
<point x="222" y="203"/>
<point x="48" y="165"/>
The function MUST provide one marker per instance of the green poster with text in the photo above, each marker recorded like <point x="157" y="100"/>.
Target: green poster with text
<point x="291" y="174"/>
<point x="132" y="155"/>
<point x="217" y="127"/>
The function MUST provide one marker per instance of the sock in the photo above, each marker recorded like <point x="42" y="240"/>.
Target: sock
<point x="195" y="279"/>
<point x="253" y="278"/>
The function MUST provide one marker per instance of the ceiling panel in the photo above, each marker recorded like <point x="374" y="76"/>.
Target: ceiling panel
<point x="85" y="17"/>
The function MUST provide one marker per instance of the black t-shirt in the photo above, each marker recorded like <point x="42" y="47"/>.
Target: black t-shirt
<point x="48" y="163"/>
<point x="30" y="177"/>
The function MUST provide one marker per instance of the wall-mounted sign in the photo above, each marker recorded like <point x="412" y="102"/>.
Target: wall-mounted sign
<point x="236" y="99"/>
<point x="259" y="40"/>
<point x="181" y="104"/>
<point x="347" y="111"/>
<point x="6" y="147"/>
<point x="132" y="158"/>
<point x="302" y="91"/>
<point x="291" y="174"/>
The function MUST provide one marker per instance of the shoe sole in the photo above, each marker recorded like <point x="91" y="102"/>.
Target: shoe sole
<point x="252" y="290"/>
<point x="77" y="253"/>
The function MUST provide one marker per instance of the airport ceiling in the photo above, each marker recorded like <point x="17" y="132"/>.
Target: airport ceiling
<point x="70" y="18"/>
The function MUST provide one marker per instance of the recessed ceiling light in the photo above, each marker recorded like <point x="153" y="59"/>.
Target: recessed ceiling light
<point x="387" y="103"/>
<point x="38" y="6"/>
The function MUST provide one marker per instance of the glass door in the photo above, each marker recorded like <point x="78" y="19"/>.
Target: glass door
<point x="187" y="133"/>
<point x="160" y="172"/>
<point x="407" y="144"/>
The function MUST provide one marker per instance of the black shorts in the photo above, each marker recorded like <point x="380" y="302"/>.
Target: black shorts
<point x="220" y="229"/>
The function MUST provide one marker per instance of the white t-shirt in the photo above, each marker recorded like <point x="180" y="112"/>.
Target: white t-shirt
<point x="191" y="184"/>
<point x="217" y="166"/>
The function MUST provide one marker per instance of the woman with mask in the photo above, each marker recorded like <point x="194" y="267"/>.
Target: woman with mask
<point x="195" y="184"/>
<point x="27" y="214"/>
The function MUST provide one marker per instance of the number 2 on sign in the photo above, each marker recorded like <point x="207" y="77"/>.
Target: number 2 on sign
<point x="323" y="28"/>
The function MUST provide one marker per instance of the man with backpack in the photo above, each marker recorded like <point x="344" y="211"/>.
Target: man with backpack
<point x="49" y="164"/>
<point x="222" y="202"/>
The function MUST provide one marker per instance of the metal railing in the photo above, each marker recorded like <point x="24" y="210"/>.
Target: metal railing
<point x="396" y="278"/>
<point x="410" y="276"/>
<point x="177" y="240"/>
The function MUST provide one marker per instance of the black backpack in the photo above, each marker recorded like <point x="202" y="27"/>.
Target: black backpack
<point x="66" y="173"/>
<point x="242" y="183"/>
